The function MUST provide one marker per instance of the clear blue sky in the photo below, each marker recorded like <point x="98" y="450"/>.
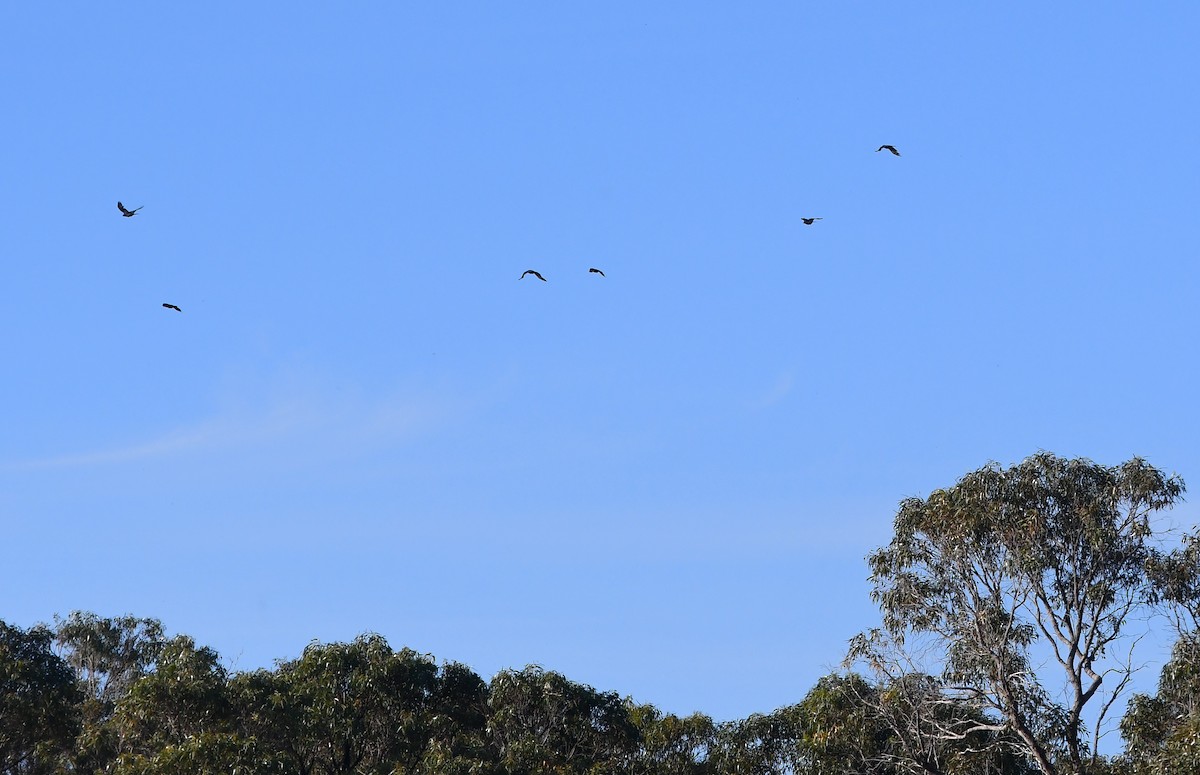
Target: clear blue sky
<point x="660" y="482"/>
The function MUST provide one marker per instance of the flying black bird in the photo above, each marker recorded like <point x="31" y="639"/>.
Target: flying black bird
<point x="809" y="221"/>
<point x="128" y="213"/>
<point x="891" y="148"/>
<point x="538" y="275"/>
<point x="172" y="306"/>
<point x="597" y="271"/>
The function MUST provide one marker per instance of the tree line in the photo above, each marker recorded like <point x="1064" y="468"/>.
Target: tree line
<point x="1006" y="647"/>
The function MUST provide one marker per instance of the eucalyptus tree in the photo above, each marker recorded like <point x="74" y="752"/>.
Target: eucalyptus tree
<point x="108" y="656"/>
<point x="1051" y="558"/>
<point x="180" y="718"/>
<point x="185" y="696"/>
<point x="457" y="716"/>
<point x="38" y="703"/>
<point x="541" y="722"/>
<point x="847" y="723"/>
<point x="760" y="744"/>
<point x="670" y="744"/>
<point x="1177" y="574"/>
<point x="1162" y="732"/>
<point x="342" y="708"/>
<point x="839" y="729"/>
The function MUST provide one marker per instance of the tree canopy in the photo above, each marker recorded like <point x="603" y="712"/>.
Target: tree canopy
<point x="1050" y="558"/>
<point x="984" y="585"/>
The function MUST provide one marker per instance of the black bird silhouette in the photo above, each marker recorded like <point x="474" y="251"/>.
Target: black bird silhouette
<point x="172" y="306"/>
<point x="809" y="221"/>
<point x="538" y="275"/>
<point x="128" y="213"/>
<point x="891" y="148"/>
<point x="597" y="271"/>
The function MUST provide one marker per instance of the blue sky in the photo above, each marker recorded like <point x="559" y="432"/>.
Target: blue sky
<point x="661" y="482"/>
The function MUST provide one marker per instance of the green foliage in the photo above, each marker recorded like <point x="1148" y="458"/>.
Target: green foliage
<point x="839" y="727"/>
<point x="343" y="707"/>
<point x="1050" y="554"/>
<point x="1051" y="551"/>
<point x="761" y="744"/>
<point x="891" y="728"/>
<point x="458" y="738"/>
<point x="38" y="702"/>
<point x="206" y="753"/>
<point x="184" y="697"/>
<point x="1177" y="575"/>
<point x="1162" y="733"/>
<point x="670" y="745"/>
<point x="543" y="723"/>
<point x="108" y="655"/>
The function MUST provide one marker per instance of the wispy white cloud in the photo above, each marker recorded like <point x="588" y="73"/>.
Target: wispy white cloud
<point x="300" y="421"/>
<point x="174" y="442"/>
<point x="778" y="390"/>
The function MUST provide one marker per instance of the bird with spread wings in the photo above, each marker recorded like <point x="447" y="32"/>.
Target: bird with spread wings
<point x="538" y="275"/>
<point x="128" y="213"/>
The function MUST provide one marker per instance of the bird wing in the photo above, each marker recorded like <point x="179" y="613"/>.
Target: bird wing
<point x="121" y="207"/>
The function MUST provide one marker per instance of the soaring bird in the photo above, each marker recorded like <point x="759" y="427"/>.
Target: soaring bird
<point x="597" y="271"/>
<point x="172" y="306"/>
<point x="809" y="221"/>
<point x="891" y="148"/>
<point x="128" y="213"/>
<point x="538" y="275"/>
